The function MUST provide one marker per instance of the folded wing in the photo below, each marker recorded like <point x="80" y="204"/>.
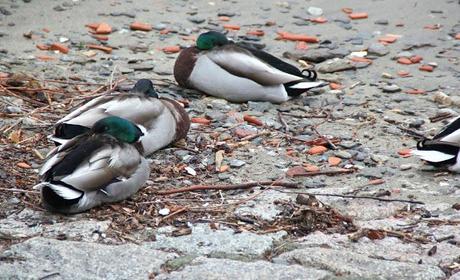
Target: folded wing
<point x="242" y="63"/>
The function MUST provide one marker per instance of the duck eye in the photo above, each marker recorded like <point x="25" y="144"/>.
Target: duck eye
<point x="104" y="128"/>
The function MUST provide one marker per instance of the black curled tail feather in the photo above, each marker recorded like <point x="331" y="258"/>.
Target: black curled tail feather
<point x="421" y="144"/>
<point x="310" y="74"/>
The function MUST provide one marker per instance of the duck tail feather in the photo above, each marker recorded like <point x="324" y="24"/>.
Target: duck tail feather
<point x="306" y="85"/>
<point x="64" y="192"/>
<point x="432" y="155"/>
<point x="57" y="197"/>
<point x="309" y="74"/>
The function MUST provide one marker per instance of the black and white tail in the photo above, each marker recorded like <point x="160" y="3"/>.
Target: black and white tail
<point x="57" y="196"/>
<point x="296" y="88"/>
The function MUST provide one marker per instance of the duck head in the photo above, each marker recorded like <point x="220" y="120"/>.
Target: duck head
<point x="145" y="86"/>
<point x="211" y="39"/>
<point x="119" y="128"/>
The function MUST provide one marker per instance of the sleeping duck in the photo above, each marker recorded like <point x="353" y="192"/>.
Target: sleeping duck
<point x="239" y="73"/>
<point x="162" y="120"/>
<point x="443" y="149"/>
<point x="103" y="165"/>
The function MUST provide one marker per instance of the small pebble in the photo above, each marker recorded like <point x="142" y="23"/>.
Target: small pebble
<point x="343" y="154"/>
<point x="164" y="211"/>
<point x="196" y="19"/>
<point x="237" y="163"/>
<point x="391" y="88"/>
<point x="405" y="167"/>
<point x="379" y="158"/>
<point x="377" y="49"/>
<point x="315" y="11"/>
<point x="381" y="22"/>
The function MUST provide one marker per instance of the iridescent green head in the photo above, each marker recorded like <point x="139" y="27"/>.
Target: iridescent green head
<point x="211" y="39"/>
<point x="122" y="129"/>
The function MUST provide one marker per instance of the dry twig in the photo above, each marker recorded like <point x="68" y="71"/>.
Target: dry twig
<point x="229" y="187"/>
<point x="355" y="196"/>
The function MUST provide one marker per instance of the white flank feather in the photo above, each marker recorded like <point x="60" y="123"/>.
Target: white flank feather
<point x="58" y="140"/>
<point x="231" y="87"/>
<point x="39" y="186"/>
<point x="432" y="156"/>
<point x="144" y="131"/>
<point x="307" y="85"/>
<point x="454" y="137"/>
<point x="65" y="192"/>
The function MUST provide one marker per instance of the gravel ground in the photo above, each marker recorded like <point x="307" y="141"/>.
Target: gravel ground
<point x="393" y="77"/>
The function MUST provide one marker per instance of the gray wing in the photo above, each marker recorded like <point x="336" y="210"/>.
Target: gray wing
<point x="138" y="109"/>
<point x="103" y="167"/>
<point x="242" y="63"/>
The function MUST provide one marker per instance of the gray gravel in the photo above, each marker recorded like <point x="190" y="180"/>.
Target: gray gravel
<point x="372" y="112"/>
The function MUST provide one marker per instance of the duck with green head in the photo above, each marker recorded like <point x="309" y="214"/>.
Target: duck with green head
<point x="103" y="165"/>
<point x="239" y="72"/>
<point x="162" y="120"/>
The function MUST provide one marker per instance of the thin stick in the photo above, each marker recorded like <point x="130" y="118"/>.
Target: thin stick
<point x="316" y="142"/>
<point x="18" y="190"/>
<point x="306" y="116"/>
<point x="72" y="83"/>
<point x="9" y="92"/>
<point x="275" y="183"/>
<point x="325" y="172"/>
<point x="229" y="187"/>
<point x="49" y="275"/>
<point x="354" y="196"/>
<point x="250" y="137"/>
<point x="33" y="206"/>
<point x="283" y="122"/>
<point x="112" y="76"/>
<point x="333" y="147"/>
<point x="440" y="117"/>
<point x="183" y="209"/>
<point x="13" y="125"/>
<point x="411" y="132"/>
<point x="355" y="84"/>
<point x="35" y="89"/>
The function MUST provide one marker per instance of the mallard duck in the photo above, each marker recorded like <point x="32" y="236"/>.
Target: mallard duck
<point x="443" y="149"/>
<point x="102" y="165"/>
<point x="162" y="120"/>
<point x="239" y="72"/>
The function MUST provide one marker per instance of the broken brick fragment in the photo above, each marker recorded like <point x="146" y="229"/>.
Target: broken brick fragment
<point x="101" y="48"/>
<point x="253" y="120"/>
<point x="42" y="47"/>
<point x="317" y="150"/>
<point x="426" y="68"/>
<point x="59" y="47"/>
<point x="104" y="28"/>
<point x="404" y="60"/>
<point x="231" y="27"/>
<point x="297" y="37"/>
<point x="358" y="15"/>
<point x="140" y="26"/>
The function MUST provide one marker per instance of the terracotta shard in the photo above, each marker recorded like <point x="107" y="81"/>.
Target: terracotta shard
<point x="59" y="47"/>
<point x="140" y="26"/>
<point x="297" y="37"/>
<point x="358" y="15"/>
